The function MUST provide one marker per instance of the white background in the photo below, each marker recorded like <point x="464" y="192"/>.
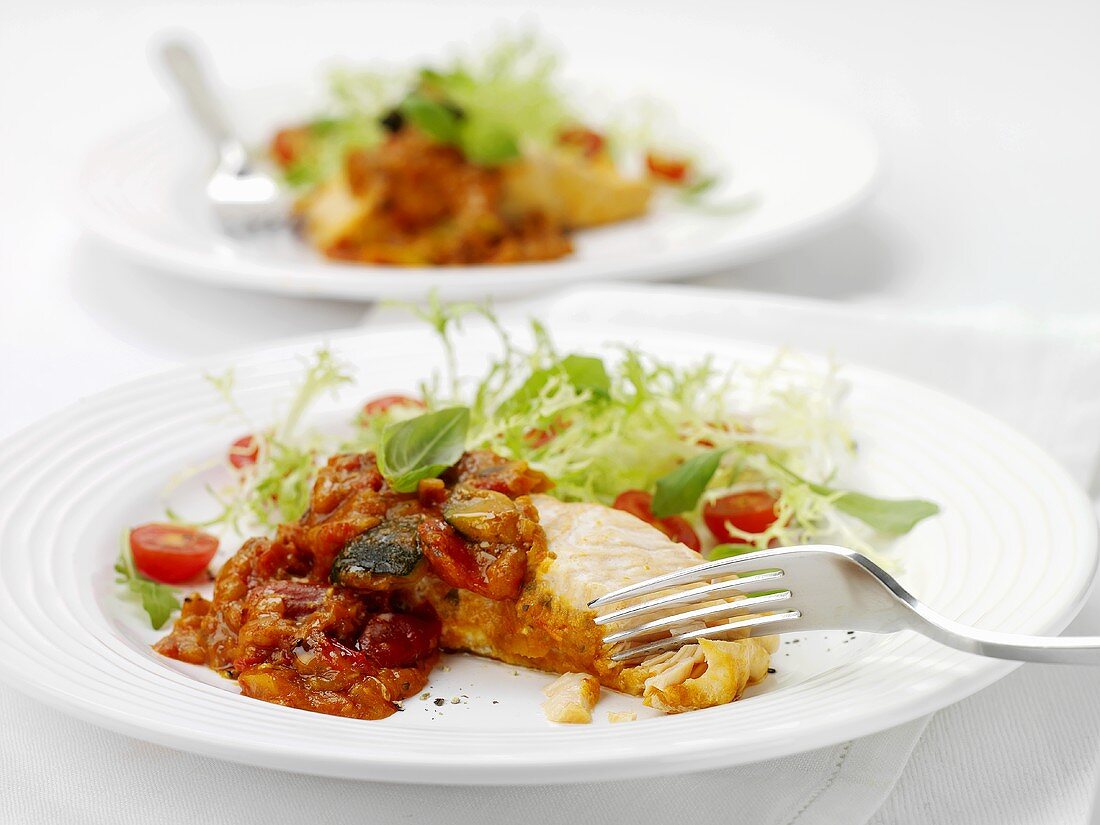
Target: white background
<point x="988" y="114"/>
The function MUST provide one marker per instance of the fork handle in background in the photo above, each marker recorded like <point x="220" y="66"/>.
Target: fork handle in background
<point x="186" y="71"/>
<point x="1063" y="650"/>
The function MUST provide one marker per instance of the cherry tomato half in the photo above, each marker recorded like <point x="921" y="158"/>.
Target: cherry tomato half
<point x="289" y="145"/>
<point x="588" y="142"/>
<point x="399" y="639"/>
<point x="380" y="405"/>
<point x="640" y="503"/>
<point x="751" y="512"/>
<point x="537" y="437"/>
<point x="244" y="451"/>
<point x="171" y="553"/>
<point x="668" y="169"/>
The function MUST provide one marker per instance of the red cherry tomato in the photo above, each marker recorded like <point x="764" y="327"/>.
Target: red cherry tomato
<point x="399" y="639"/>
<point x="380" y="405"/>
<point x="588" y="142"/>
<point x="751" y="512"/>
<point x="171" y="553"/>
<point x="244" y="451"/>
<point x="679" y="529"/>
<point x="670" y="170"/>
<point x="537" y="437"/>
<point x="289" y="144"/>
<point x="640" y="503"/>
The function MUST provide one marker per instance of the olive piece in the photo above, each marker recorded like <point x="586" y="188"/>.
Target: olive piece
<point x="374" y="558"/>
<point x="482" y="515"/>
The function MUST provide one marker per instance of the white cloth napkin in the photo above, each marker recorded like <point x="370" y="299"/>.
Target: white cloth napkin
<point x="1024" y="750"/>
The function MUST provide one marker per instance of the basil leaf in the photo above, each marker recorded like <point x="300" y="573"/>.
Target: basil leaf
<point x="527" y="392"/>
<point x="894" y="517"/>
<point x="486" y="143"/>
<point x="431" y="117"/>
<point x="584" y="372"/>
<point x="680" y="490"/>
<point x="422" y="447"/>
<point x="587" y="372"/>
<point x="159" y="601"/>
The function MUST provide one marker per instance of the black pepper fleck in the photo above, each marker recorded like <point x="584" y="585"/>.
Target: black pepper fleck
<point x="438" y="701"/>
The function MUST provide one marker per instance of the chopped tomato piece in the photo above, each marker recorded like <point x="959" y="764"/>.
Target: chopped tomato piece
<point x="400" y="639"/>
<point x="668" y="169"/>
<point x="750" y="512"/>
<point x="495" y="572"/>
<point x="244" y="451"/>
<point x="640" y="503"/>
<point x="587" y="141"/>
<point x="289" y="145"/>
<point x="537" y="437"/>
<point x="382" y="404"/>
<point x="171" y="553"/>
<point x="299" y="598"/>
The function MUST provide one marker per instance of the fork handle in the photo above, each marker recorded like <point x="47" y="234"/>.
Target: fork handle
<point x="1063" y="650"/>
<point x="185" y="69"/>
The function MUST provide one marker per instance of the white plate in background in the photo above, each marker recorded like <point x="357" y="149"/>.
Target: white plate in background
<point x="801" y="168"/>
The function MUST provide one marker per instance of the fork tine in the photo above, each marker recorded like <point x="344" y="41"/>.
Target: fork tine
<point x="701" y="572"/>
<point x="714" y="611"/>
<point x="696" y="594"/>
<point x="753" y="623"/>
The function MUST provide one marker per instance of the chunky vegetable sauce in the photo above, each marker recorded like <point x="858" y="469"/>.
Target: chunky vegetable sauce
<point x="327" y="615"/>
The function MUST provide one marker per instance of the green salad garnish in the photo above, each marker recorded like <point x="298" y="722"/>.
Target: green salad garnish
<point x="159" y="601"/>
<point x="599" y="426"/>
<point x="487" y="106"/>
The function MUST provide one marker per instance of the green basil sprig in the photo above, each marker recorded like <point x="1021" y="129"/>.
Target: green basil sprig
<point x="680" y="490"/>
<point x="158" y="600"/>
<point x="584" y="373"/>
<point x="422" y="447"/>
<point x="895" y="517"/>
<point x="480" y="141"/>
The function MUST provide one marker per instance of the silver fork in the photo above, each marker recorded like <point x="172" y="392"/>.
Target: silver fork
<point x="823" y="588"/>
<point x="244" y="198"/>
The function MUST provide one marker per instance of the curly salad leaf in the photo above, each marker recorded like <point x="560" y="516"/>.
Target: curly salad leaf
<point x="508" y="96"/>
<point x="273" y="485"/>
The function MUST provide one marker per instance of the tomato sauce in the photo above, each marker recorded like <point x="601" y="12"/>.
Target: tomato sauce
<point x="325" y="615"/>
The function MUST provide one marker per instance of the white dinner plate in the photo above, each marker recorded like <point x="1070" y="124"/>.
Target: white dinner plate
<point x="1014" y="549"/>
<point x="793" y="167"/>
